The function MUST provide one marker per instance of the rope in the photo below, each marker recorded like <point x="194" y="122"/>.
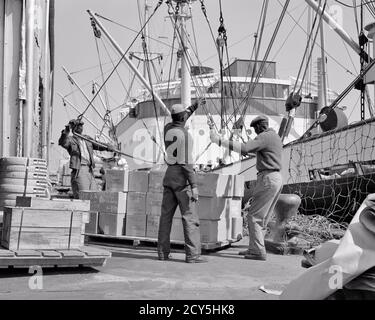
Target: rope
<point x="267" y="52"/>
<point x="312" y="46"/>
<point x="109" y="76"/>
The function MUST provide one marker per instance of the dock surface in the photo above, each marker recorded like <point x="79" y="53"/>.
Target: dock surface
<point x="135" y="273"/>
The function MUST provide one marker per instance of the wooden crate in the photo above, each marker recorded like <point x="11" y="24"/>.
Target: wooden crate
<point x="117" y="180"/>
<point x="155" y="181"/>
<point x="238" y="186"/>
<point x="55" y="204"/>
<point x="29" y="228"/>
<point x="152" y="228"/>
<point x="106" y="201"/>
<point x="138" y="181"/>
<point x="92" y="225"/>
<point x="136" y="203"/>
<point x="213" y="231"/>
<point x="213" y="208"/>
<point x="215" y="185"/>
<point x="111" y="224"/>
<point x="135" y="225"/>
<point x="66" y="180"/>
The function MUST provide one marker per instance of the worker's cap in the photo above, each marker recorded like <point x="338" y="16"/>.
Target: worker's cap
<point x="177" y="108"/>
<point x="75" y="122"/>
<point x="259" y="119"/>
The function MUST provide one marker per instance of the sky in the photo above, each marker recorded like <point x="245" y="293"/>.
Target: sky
<point x="76" y="47"/>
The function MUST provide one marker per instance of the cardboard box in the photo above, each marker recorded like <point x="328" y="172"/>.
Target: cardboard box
<point x="136" y="203"/>
<point x="109" y="201"/>
<point x="238" y="186"/>
<point x="136" y="225"/>
<point x="213" y="231"/>
<point x="152" y="228"/>
<point x="215" y="185"/>
<point x="156" y="178"/>
<point x="138" y="181"/>
<point x="92" y="225"/>
<point x="212" y="208"/>
<point x="111" y="224"/>
<point x="117" y="180"/>
<point x="237" y="228"/>
<point x="177" y="231"/>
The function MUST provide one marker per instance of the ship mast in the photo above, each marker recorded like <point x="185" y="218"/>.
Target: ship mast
<point x="183" y="16"/>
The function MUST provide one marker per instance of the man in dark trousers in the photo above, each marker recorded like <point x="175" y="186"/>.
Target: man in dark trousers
<point x="268" y="148"/>
<point x="180" y="186"/>
<point x="81" y="157"/>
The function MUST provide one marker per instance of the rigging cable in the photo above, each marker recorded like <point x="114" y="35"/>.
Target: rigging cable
<point x="327" y="53"/>
<point x="257" y="45"/>
<point x="266" y="54"/>
<point x="109" y="76"/>
<point x="189" y="61"/>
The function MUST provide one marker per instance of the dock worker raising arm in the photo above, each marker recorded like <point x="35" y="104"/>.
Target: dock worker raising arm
<point x="180" y="186"/>
<point x="81" y="157"/>
<point x="268" y="148"/>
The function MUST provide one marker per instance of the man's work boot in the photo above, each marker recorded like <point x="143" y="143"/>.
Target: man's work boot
<point x="244" y="252"/>
<point x="198" y="259"/>
<point x="164" y="256"/>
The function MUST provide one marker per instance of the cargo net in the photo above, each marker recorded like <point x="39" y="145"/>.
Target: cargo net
<point x="334" y="172"/>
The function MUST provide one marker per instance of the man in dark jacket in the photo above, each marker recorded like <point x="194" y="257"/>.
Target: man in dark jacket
<point x="268" y="148"/>
<point x="180" y="186"/>
<point x="81" y="157"/>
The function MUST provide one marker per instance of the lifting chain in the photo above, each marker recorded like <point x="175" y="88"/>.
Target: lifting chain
<point x="97" y="32"/>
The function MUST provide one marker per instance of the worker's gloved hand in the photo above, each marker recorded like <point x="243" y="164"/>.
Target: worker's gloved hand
<point x="210" y="123"/>
<point x="215" y="137"/>
<point x="194" y="194"/>
<point x="67" y="129"/>
<point x="201" y="101"/>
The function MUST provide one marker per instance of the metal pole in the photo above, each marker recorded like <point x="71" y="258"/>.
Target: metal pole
<point x="323" y="68"/>
<point x="335" y="26"/>
<point x="46" y="88"/>
<point x="130" y="64"/>
<point x="29" y="105"/>
<point x="185" y="72"/>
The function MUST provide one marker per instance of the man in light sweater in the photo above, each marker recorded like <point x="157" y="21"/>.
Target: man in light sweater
<point x="268" y="148"/>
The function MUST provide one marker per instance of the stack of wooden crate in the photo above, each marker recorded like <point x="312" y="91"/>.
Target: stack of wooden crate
<point x="108" y="208"/>
<point x="153" y="208"/>
<point x="219" y="206"/>
<point x="131" y="206"/>
<point x="65" y="175"/>
<point x="44" y="224"/>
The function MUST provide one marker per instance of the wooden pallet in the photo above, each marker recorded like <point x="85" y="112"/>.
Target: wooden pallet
<point x="137" y="241"/>
<point x="84" y="256"/>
